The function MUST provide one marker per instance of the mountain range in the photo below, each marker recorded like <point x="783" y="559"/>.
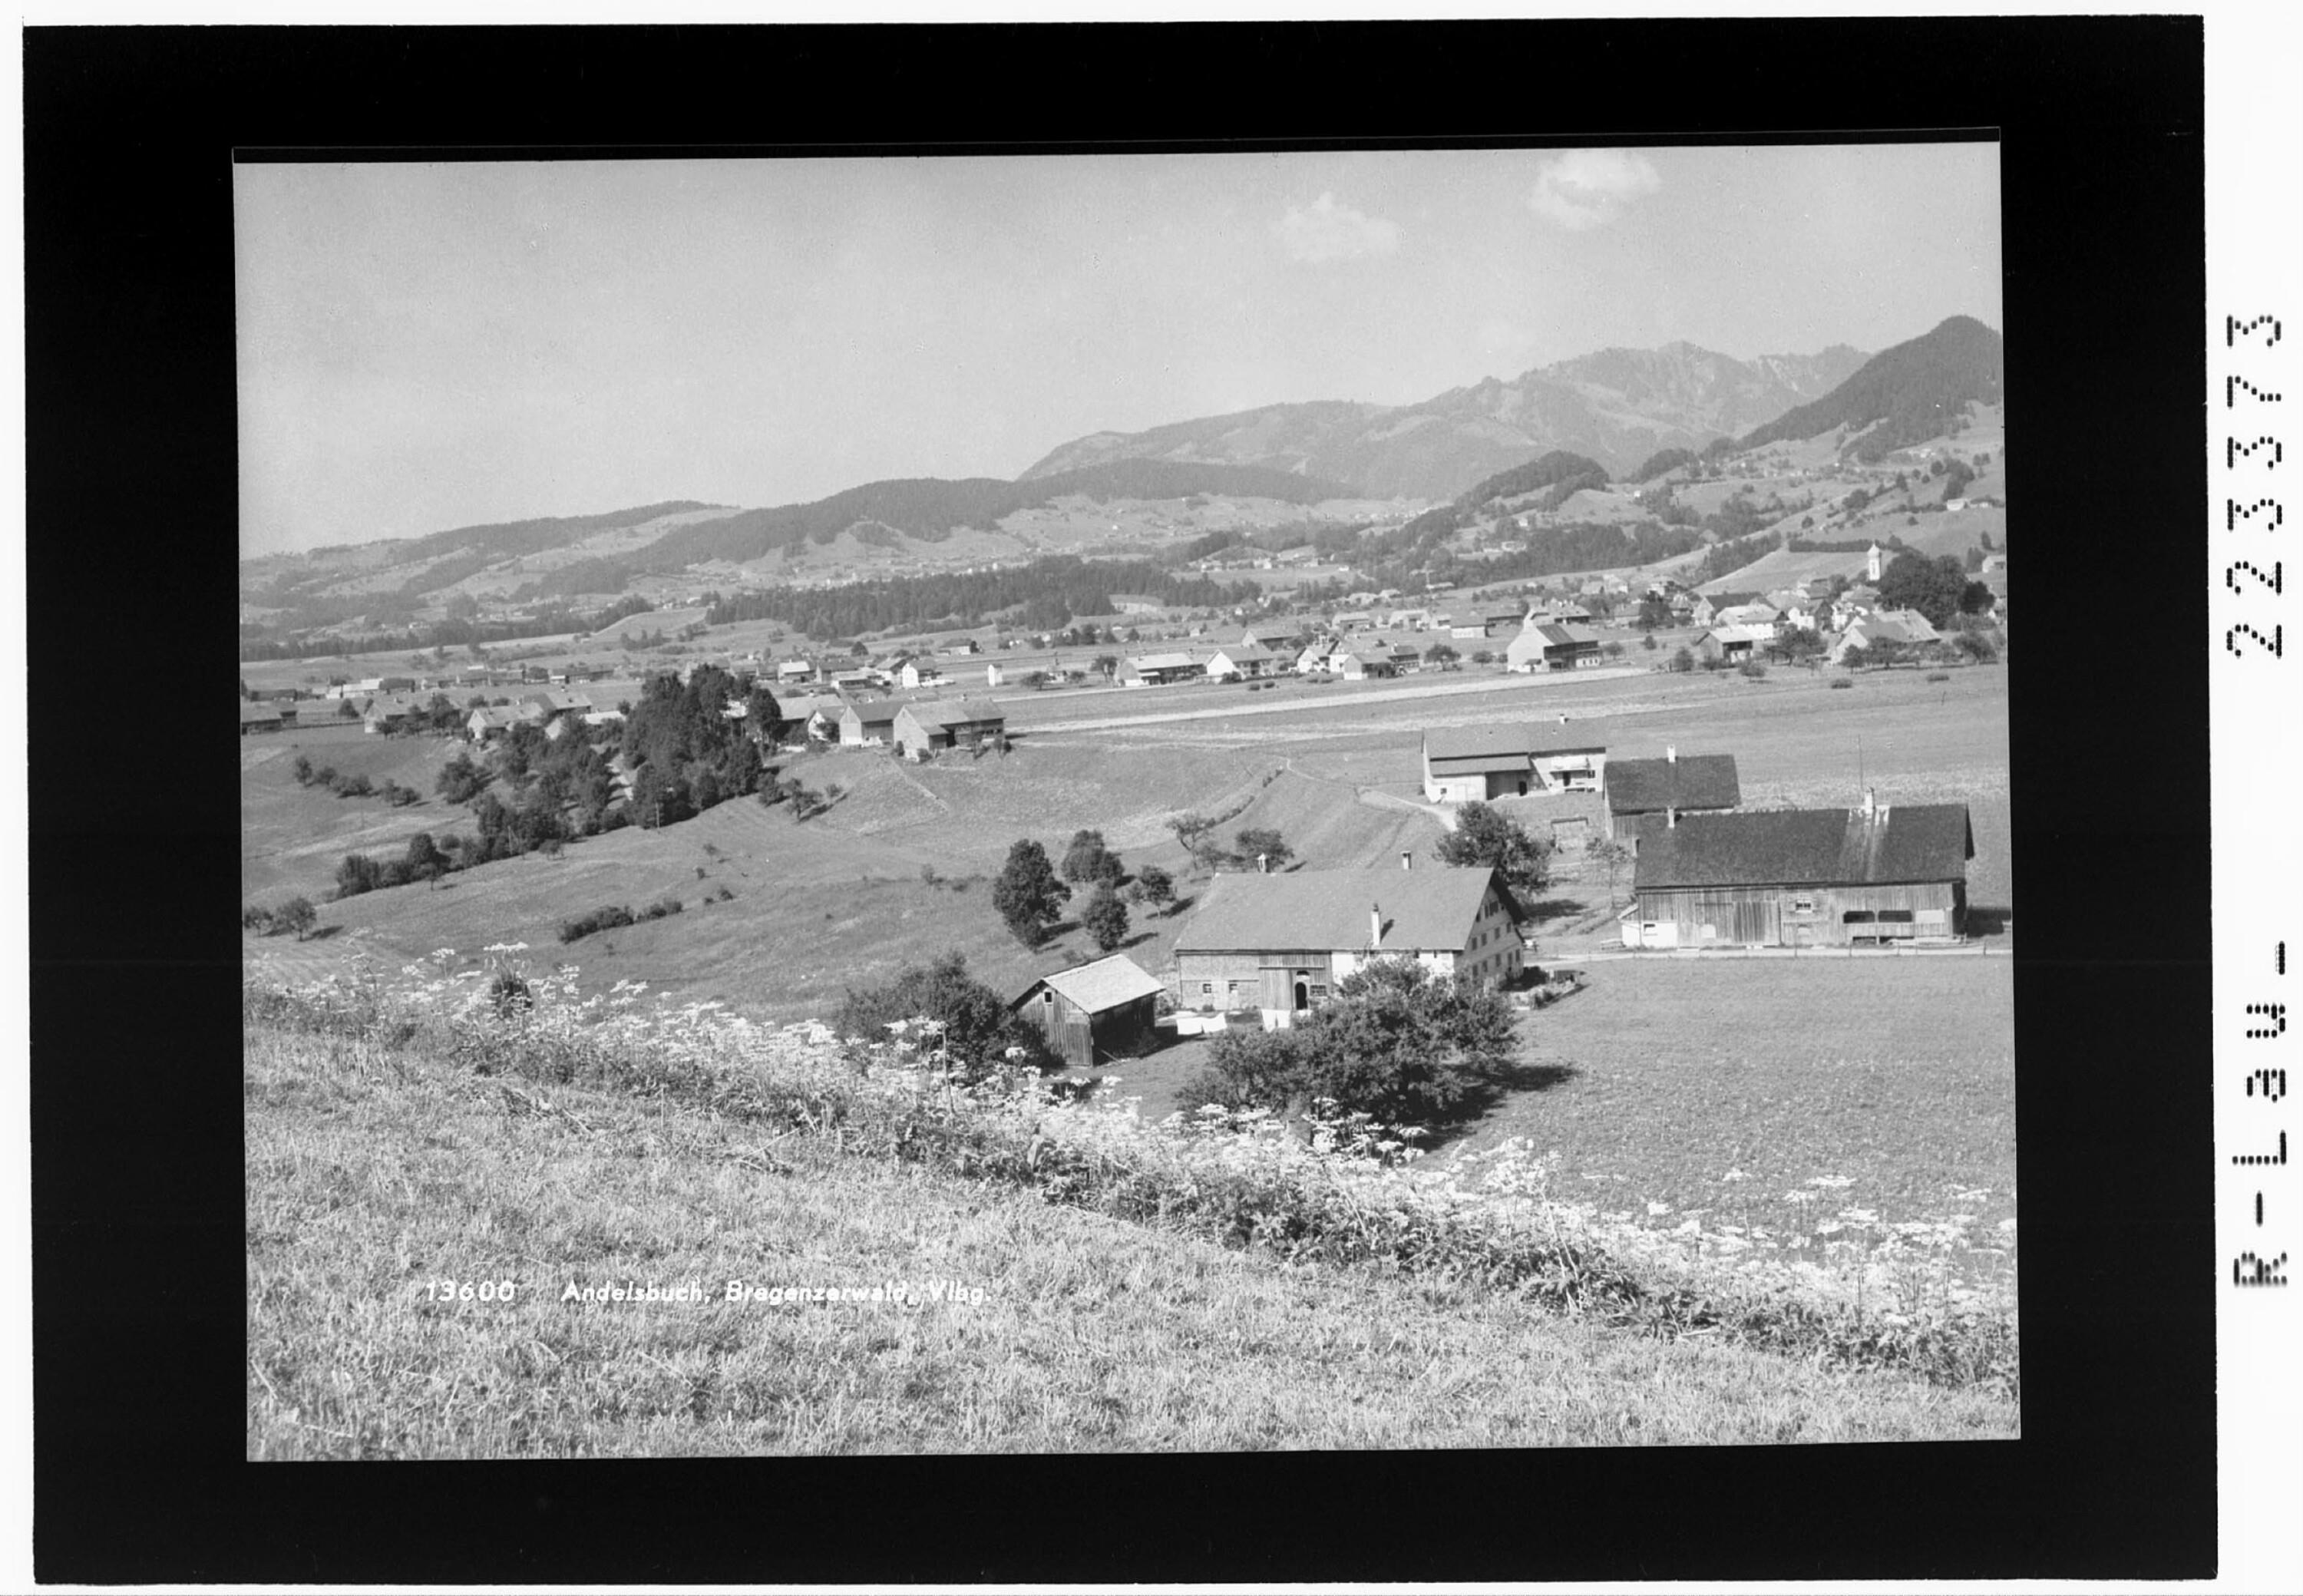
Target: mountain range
<point x="1617" y="407"/>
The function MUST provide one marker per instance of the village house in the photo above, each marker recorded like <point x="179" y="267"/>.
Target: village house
<point x="1708" y="607"/>
<point x="803" y="717"/>
<point x="1094" y="1012"/>
<point x="1799" y="878"/>
<point x="1544" y="646"/>
<point x="486" y="724"/>
<point x="1868" y="631"/>
<point x="1732" y="644"/>
<point x="869" y="722"/>
<point x="1354" y="620"/>
<point x="1757" y="613"/>
<point x="792" y="672"/>
<point x="1242" y="662"/>
<point x="1643" y="791"/>
<point x="1462" y="762"/>
<point x="919" y="673"/>
<point x="1279" y="639"/>
<point x="259" y="717"/>
<point x="930" y="726"/>
<point x="1279" y="944"/>
<point x="1356" y="665"/>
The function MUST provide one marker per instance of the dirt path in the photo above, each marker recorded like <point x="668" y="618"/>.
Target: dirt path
<point x="1451" y="689"/>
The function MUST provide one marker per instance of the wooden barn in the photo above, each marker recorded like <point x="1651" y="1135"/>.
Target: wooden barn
<point x="1802" y="878"/>
<point x="1096" y="1012"/>
<point x="1644" y="792"/>
<point x="1508" y="761"/>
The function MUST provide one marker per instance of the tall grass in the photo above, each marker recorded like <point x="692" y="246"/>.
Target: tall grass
<point x="1849" y="1294"/>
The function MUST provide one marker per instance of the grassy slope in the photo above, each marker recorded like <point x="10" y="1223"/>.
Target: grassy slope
<point x="370" y="1172"/>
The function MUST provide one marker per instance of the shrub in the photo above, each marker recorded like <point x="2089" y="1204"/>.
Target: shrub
<point x="1751" y="668"/>
<point x="1938" y="676"/>
<point x="302" y="771"/>
<point x="1395" y="1041"/>
<point x="1683" y="661"/>
<point x="1842" y="682"/>
<point x="354" y="787"/>
<point x="978" y="1027"/>
<point x="660" y="909"/>
<point x="256" y="918"/>
<point x="605" y="918"/>
<point x="1105" y="917"/>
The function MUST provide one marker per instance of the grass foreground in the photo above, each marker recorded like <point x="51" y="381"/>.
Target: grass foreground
<point x="1011" y="1272"/>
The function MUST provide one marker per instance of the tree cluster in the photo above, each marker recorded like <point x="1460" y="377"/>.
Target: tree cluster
<point x="978" y="1027"/>
<point x="1397" y="1042"/>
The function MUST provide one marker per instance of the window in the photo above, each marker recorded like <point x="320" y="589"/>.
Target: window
<point x="1856" y="916"/>
<point x="1207" y="989"/>
<point x="1802" y="905"/>
<point x="1896" y="916"/>
<point x="1047" y="998"/>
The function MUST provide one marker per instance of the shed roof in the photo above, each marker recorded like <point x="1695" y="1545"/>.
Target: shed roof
<point x="956" y="712"/>
<point x="1163" y="662"/>
<point x="1106" y="984"/>
<point x="1692" y="781"/>
<point x="1328" y="909"/>
<point x="1508" y="744"/>
<point x="1915" y="842"/>
<point x="1556" y="635"/>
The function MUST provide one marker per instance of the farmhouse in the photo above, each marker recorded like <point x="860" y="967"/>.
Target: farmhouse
<point x="1276" y="638"/>
<point x="258" y="717"/>
<point x="813" y="717"/>
<point x="483" y="724"/>
<point x="1548" y="646"/>
<point x="1243" y="661"/>
<point x="1799" y="878"/>
<point x="869" y="721"/>
<point x="924" y="729"/>
<point x="919" y="673"/>
<point x="1360" y="664"/>
<point x="1278" y="944"/>
<point x="1491" y="762"/>
<point x="1732" y="644"/>
<point x="1095" y="1011"/>
<point x="1641" y="790"/>
<point x="1155" y="670"/>
<point x="794" y="671"/>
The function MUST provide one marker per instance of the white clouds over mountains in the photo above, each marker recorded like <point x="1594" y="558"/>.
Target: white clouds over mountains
<point x="1585" y="188"/>
<point x="1327" y="230"/>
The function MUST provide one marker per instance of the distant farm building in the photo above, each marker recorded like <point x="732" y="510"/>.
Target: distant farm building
<point x="1242" y="662"/>
<point x="259" y="717"/>
<point x="932" y="727"/>
<point x="484" y="723"/>
<point x="1155" y="670"/>
<point x="1800" y="878"/>
<point x="1644" y="792"/>
<point x="1359" y="664"/>
<point x="863" y="724"/>
<point x="1550" y="645"/>
<point x="1096" y="1012"/>
<point x="1732" y="645"/>
<point x="1279" y="944"/>
<point x="1462" y="762"/>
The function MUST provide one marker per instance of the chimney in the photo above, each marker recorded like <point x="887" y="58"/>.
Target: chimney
<point x="1670" y="754"/>
<point x="1406" y="860"/>
<point x="1375" y="925"/>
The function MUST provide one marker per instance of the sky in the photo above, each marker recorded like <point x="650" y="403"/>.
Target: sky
<point x="425" y="346"/>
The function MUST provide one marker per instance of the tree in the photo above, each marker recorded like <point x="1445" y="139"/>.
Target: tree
<point x="1088" y="860"/>
<point x="296" y="915"/>
<point x="1029" y="894"/>
<point x="1934" y="587"/>
<point x="1105" y="917"/>
<point x="1397" y="1042"/>
<point x="1442" y="655"/>
<point x="461" y="779"/>
<point x="1485" y="835"/>
<point x="1108" y="663"/>
<point x="1193" y="832"/>
<point x="425" y="862"/>
<point x="1654" y="612"/>
<point x="1684" y="660"/>
<point x="978" y="1028"/>
<point x="1154" y="886"/>
<point x="1610" y="855"/>
<point x="1264" y="845"/>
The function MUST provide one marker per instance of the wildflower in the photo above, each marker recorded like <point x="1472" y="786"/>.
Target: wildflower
<point x="1734" y="1175"/>
<point x="1860" y="1216"/>
<point x="1832" y="1182"/>
<point x="1829" y="1228"/>
<point x="1655" y="1208"/>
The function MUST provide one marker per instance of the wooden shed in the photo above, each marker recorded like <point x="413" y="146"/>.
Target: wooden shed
<point x="1093" y="1011"/>
<point x="1802" y="878"/>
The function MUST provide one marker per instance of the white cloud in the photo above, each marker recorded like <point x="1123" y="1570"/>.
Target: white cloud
<point x="1585" y="188"/>
<point x="1325" y="230"/>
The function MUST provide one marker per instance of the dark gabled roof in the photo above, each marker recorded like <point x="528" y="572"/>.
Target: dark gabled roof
<point x="1913" y="842"/>
<point x="1692" y="781"/>
<point x="1329" y="909"/>
<point x="1473" y="748"/>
